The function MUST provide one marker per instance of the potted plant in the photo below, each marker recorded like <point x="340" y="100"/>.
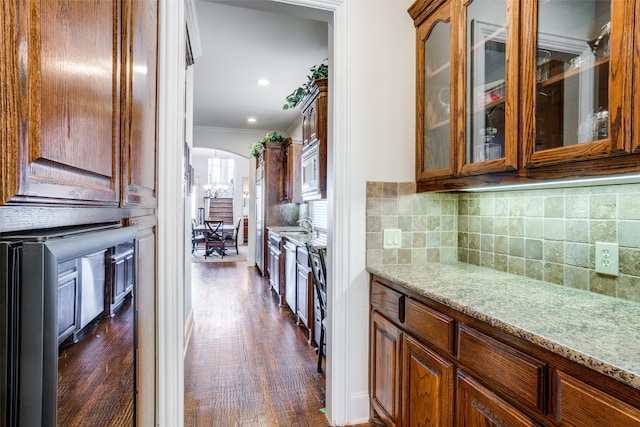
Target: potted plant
<point x="317" y="72"/>
<point x="269" y="137"/>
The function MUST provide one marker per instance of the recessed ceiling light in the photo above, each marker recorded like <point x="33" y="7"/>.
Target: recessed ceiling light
<point x="263" y="82"/>
<point x="251" y="120"/>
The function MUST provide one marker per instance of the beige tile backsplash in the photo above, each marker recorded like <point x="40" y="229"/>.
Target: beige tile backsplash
<point x="543" y="234"/>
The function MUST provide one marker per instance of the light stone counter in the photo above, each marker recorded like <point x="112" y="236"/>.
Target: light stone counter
<point x="300" y="236"/>
<point x="596" y="331"/>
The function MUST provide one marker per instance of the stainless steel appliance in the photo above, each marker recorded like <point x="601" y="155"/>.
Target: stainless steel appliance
<point x="52" y="283"/>
<point x="311" y="171"/>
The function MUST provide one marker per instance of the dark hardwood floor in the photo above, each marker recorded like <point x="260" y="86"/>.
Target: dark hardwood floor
<point x="95" y="375"/>
<point x="247" y="363"/>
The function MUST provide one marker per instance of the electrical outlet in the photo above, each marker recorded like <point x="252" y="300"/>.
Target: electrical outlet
<point x="392" y="238"/>
<point x="607" y="258"/>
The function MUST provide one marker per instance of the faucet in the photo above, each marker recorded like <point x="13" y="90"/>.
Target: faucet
<point x="307" y="220"/>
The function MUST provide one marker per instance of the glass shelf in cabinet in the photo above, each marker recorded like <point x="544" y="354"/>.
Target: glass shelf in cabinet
<point x="574" y="72"/>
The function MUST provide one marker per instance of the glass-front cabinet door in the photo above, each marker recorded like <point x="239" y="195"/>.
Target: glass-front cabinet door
<point x="433" y="130"/>
<point x="488" y="51"/>
<point x="577" y="80"/>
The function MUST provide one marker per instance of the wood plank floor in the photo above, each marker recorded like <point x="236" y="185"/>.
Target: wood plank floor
<point x="95" y="376"/>
<point x="247" y="364"/>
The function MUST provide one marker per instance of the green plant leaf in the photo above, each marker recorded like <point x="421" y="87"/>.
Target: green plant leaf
<point x="318" y="71"/>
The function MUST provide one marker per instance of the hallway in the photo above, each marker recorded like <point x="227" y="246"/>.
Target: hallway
<point x="247" y="363"/>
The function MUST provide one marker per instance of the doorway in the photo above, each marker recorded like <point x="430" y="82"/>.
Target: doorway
<point x="328" y="16"/>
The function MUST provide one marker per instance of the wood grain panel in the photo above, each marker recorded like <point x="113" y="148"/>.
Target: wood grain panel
<point x="385" y="365"/>
<point x="141" y="100"/>
<point x="504" y="367"/>
<point x="479" y="407"/>
<point x="64" y="105"/>
<point x="76" y="84"/>
<point x="387" y="301"/>
<point x="428" y="386"/>
<point x="579" y="404"/>
<point x="436" y="328"/>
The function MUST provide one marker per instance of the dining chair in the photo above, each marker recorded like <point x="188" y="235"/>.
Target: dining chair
<point x="214" y="238"/>
<point x="319" y="274"/>
<point x="197" y="238"/>
<point x="233" y="238"/>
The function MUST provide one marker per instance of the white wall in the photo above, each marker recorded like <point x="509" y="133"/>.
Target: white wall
<point x="374" y="140"/>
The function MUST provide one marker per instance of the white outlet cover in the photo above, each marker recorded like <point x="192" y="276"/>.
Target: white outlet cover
<point x="607" y="258"/>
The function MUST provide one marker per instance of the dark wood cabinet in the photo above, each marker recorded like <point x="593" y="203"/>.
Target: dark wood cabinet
<point x="428" y="386"/>
<point x="61" y="105"/>
<point x="431" y="365"/>
<point x="580" y="404"/>
<point x="140" y="106"/>
<point x="268" y="194"/>
<point x="314" y="141"/>
<point x="480" y="407"/>
<point x="78" y="85"/>
<point x="534" y="91"/>
<point x="79" y="112"/>
<point x="292" y="180"/>
<point x="385" y="370"/>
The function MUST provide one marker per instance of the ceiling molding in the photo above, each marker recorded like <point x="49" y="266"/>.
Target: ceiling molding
<point x="193" y="31"/>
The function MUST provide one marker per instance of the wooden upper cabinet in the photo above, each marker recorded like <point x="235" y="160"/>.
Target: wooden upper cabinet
<point x="60" y="116"/>
<point x="523" y="91"/>
<point x="486" y="34"/>
<point x="78" y="89"/>
<point x="577" y="80"/>
<point x="314" y="108"/>
<point x="291" y="187"/>
<point x="140" y="140"/>
<point x="435" y="150"/>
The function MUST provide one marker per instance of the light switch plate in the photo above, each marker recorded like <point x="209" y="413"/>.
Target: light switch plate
<point x="607" y="258"/>
<point x="392" y="238"/>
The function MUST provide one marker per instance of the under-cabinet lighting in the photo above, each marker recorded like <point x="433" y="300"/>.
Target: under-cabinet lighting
<point x="586" y="182"/>
<point x="251" y="120"/>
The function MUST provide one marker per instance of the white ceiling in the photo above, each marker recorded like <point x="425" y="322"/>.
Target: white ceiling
<point x="246" y="40"/>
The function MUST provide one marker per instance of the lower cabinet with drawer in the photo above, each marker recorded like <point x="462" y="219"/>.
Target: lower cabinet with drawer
<point x="432" y="366"/>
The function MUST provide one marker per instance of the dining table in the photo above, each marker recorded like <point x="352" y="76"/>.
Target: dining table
<point x="227" y="229"/>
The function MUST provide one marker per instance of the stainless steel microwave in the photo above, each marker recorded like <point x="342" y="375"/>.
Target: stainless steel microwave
<point x="311" y="171"/>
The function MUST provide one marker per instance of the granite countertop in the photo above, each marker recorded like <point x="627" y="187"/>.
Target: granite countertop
<point x="300" y="235"/>
<point x="600" y="332"/>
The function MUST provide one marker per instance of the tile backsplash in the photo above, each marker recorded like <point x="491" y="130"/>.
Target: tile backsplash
<point x="428" y="223"/>
<point x="543" y="234"/>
